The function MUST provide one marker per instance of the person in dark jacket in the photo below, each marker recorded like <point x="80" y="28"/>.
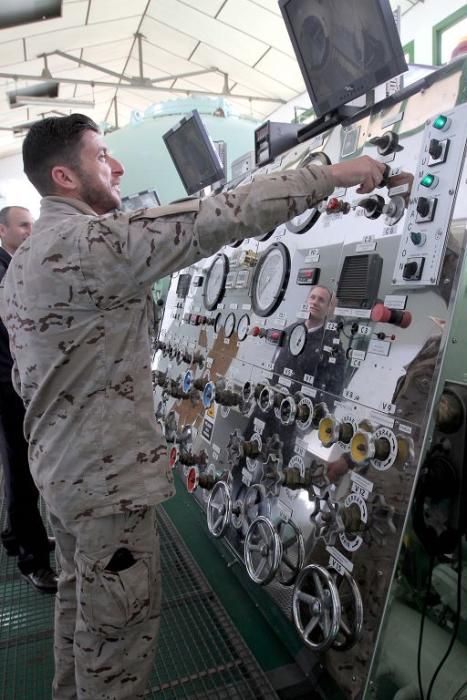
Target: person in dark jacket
<point x="25" y="534"/>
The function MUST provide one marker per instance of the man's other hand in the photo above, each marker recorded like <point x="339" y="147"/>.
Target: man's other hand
<point x="363" y="171"/>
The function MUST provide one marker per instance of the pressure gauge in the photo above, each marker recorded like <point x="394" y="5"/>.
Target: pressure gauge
<point x="270" y="279"/>
<point x="229" y="325"/>
<point x="297" y="339"/>
<point x="303" y="222"/>
<point x="214" y="285"/>
<point x="243" y="327"/>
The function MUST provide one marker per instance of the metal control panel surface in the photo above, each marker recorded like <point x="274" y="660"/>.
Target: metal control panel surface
<point x="295" y="374"/>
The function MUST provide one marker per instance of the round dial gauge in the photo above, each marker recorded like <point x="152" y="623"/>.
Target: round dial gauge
<point x="297" y="339"/>
<point x="229" y="325"/>
<point x="270" y="279"/>
<point x="243" y="327"/>
<point x="303" y="222"/>
<point x="214" y="285"/>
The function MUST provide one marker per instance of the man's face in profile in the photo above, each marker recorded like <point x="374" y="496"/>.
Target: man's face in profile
<point x="319" y="301"/>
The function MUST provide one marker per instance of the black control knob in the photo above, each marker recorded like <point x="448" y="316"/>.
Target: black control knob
<point x="387" y="143"/>
<point x="423" y="206"/>
<point x="435" y="149"/>
<point x="372" y="205"/>
<point x="410" y="270"/>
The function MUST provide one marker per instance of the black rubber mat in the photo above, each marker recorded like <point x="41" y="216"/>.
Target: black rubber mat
<point x="200" y="654"/>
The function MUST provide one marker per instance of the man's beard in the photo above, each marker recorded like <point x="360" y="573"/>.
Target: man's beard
<point x="100" y="201"/>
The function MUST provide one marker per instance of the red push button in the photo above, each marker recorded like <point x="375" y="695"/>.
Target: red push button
<point x="255" y="331"/>
<point x="382" y="314"/>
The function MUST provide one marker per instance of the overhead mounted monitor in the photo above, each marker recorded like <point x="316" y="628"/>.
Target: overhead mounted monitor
<point x="344" y="48"/>
<point x="13" y="13"/>
<point x="195" y="158"/>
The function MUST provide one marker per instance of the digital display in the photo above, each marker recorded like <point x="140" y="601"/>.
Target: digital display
<point x="193" y="154"/>
<point x="344" y="49"/>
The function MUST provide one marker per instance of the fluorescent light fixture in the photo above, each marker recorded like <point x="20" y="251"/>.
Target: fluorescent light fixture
<point x="31" y="101"/>
<point x="13" y="13"/>
<point x="49" y="88"/>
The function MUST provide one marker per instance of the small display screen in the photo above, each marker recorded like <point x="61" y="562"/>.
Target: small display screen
<point x="193" y="154"/>
<point x="344" y="49"/>
<point x="142" y="200"/>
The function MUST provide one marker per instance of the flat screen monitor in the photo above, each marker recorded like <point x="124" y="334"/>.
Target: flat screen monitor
<point x="148" y="199"/>
<point x="344" y="47"/>
<point x="195" y="158"/>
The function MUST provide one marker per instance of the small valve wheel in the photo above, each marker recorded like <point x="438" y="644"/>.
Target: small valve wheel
<point x="293" y="552"/>
<point x="262" y="551"/>
<point x="219" y="509"/>
<point x="316" y="607"/>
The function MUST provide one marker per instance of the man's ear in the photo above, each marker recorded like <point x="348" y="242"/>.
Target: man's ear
<point x="64" y="178"/>
<point x="2" y="230"/>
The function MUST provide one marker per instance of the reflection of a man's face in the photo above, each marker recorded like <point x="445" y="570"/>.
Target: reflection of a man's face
<point x="319" y="301"/>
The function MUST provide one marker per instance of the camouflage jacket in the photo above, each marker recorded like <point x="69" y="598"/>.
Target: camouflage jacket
<point x="74" y="301"/>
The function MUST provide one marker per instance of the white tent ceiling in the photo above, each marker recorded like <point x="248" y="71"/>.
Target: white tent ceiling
<point x="243" y="44"/>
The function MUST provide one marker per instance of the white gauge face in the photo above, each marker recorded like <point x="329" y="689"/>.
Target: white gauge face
<point x="215" y="282"/>
<point x="229" y="325"/>
<point x="297" y="339"/>
<point x="269" y="282"/>
<point x="243" y="327"/>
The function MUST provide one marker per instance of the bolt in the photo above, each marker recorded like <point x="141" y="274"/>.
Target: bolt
<point x="432" y="280"/>
<point x="451" y="191"/>
<point x="454" y="340"/>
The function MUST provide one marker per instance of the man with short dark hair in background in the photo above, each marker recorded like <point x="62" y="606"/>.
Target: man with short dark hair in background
<point x="25" y="535"/>
<point x="77" y="304"/>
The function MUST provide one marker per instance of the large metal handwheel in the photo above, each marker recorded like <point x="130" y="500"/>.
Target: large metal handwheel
<point x="219" y="509"/>
<point x="262" y="551"/>
<point x="293" y="552"/>
<point x="316" y="607"/>
<point x="351" y="623"/>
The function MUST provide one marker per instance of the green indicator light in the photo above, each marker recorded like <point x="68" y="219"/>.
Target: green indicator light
<point x="440" y="122"/>
<point x="427" y="181"/>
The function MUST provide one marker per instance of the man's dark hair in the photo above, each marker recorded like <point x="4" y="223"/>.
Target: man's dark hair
<point x="53" y="141"/>
<point x="5" y="214"/>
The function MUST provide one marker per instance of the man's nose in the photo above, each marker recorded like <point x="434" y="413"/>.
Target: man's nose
<point x="116" y="166"/>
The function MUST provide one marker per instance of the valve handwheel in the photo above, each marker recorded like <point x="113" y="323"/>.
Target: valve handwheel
<point x="219" y="509"/>
<point x="293" y="552"/>
<point x="262" y="551"/>
<point x="351" y="622"/>
<point x="316" y="607"/>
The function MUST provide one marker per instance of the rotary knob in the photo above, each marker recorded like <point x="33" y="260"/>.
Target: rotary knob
<point x="373" y="206"/>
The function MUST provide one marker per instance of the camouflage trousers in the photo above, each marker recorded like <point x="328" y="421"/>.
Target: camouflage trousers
<point x="107" y="607"/>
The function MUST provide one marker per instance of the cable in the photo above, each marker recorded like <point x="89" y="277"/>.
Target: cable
<point x="422" y="625"/>
<point x="456" y="623"/>
<point x="457" y="694"/>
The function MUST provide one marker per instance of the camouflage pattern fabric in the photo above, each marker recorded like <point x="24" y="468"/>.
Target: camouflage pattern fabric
<point x="75" y="303"/>
<point x="106" y="622"/>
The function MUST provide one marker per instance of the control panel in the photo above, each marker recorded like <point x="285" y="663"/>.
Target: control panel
<point x="295" y="373"/>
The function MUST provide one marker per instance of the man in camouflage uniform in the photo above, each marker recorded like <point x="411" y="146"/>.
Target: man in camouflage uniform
<point x="75" y="302"/>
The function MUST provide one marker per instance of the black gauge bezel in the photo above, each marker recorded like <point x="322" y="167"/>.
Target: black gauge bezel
<point x="313" y="213"/>
<point x="297" y="325"/>
<point x="217" y="323"/>
<point x="234" y="325"/>
<point x="238" y="326"/>
<point x="284" y="280"/>
<point x="224" y="258"/>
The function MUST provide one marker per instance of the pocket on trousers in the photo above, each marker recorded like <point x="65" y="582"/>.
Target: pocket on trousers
<point x="111" y="601"/>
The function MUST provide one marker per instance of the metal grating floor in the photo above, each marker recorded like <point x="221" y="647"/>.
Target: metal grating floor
<point x="201" y="656"/>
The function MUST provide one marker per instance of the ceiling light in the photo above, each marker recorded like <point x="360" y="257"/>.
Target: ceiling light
<point x="49" y="88"/>
<point x="22" y="100"/>
<point x="13" y="12"/>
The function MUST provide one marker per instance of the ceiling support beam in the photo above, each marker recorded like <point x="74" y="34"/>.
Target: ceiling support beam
<point x="137" y="84"/>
